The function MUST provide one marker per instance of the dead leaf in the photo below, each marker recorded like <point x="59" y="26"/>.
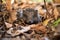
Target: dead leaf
<point x="40" y="28"/>
<point x="46" y="21"/>
<point x="8" y="5"/>
<point x="13" y="16"/>
<point x="8" y="25"/>
<point x="56" y="13"/>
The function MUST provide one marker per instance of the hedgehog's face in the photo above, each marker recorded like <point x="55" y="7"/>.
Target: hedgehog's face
<point x="31" y="16"/>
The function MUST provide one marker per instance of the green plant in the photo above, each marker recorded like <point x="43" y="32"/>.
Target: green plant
<point x="56" y="22"/>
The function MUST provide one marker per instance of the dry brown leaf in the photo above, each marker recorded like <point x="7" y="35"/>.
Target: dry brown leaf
<point x="40" y="10"/>
<point x="12" y="17"/>
<point x="8" y="5"/>
<point x="56" y="13"/>
<point x="8" y="25"/>
<point x="40" y="28"/>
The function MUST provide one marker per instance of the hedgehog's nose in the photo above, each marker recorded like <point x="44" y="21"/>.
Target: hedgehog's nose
<point x="31" y="21"/>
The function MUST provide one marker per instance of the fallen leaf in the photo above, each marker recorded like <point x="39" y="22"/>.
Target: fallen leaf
<point x="46" y="21"/>
<point x="8" y="5"/>
<point x="56" y="13"/>
<point x="40" y="28"/>
<point x="8" y="25"/>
